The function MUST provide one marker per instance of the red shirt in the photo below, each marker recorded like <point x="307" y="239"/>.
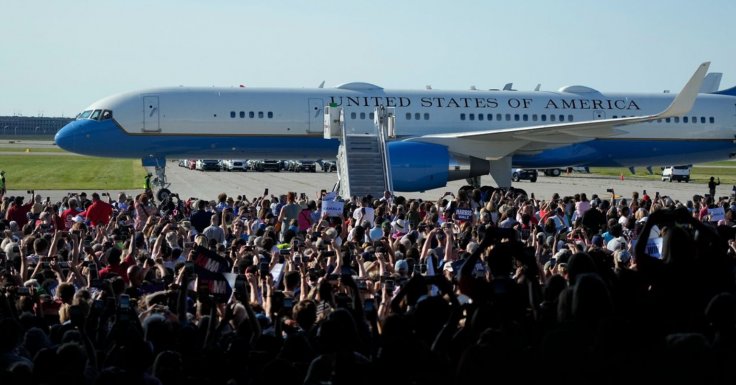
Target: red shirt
<point x="120" y="269"/>
<point x="18" y="213"/>
<point x="68" y="217"/>
<point x="98" y="213"/>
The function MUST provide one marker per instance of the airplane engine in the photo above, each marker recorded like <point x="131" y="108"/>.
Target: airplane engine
<point x="420" y="166"/>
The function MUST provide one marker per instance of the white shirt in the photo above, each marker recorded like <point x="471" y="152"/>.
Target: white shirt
<point x="368" y="216"/>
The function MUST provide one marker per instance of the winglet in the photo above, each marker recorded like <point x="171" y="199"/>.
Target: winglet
<point x="684" y="101"/>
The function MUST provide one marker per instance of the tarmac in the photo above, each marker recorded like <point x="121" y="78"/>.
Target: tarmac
<point x="208" y="184"/>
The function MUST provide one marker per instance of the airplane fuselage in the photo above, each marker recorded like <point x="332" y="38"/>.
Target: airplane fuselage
<point x="288" y="123"/>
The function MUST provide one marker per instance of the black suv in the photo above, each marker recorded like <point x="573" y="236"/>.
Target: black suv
<point x="518" y="174"/>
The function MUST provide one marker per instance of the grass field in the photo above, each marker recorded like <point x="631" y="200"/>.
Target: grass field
<point x="50" y="172"/>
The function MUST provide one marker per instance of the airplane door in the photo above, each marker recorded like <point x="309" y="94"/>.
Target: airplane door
<point x="599" y="115"/>
<point x="316" y="120"/>
<point x="151" y="122"/>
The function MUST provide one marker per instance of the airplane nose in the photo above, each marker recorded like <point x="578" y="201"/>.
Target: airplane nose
<point x="64" y="138"/>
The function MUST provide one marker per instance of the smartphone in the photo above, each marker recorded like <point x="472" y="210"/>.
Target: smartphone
<point x="240" y="284"/>
<point x="264" y="270"/>
<point x="369" y="305"/>
<point x="323" y="193"/>
<point x="124" y="302"/>
<point x="610" y="190"/>
<point x="189" y="267"/>
<point x="303" y="196"/>
<point x="265" y="192"/>
<point x="389" y="284"/>
<point x="22" y="290"/>
<point x="284" y="251"/>
<point x="362" y="284"/>
<point x="93" y="273"/>
<point x="330" y="253"/>
<point x="288" y="303"/>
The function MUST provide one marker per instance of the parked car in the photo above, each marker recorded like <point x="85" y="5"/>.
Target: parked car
<point x="301" y="165"/>
<point x="208" y="164"/>
<point x="267" y="165"/>
<point x="234" y="165"/>
<point x="518" y="174"/>
<point x="678" y="173"/>
<point x="328" y="165"/>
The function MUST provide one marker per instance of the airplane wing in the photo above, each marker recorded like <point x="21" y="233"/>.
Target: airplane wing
<point x="495" y="144"/>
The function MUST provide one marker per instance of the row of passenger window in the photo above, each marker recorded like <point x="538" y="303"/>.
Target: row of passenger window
<point x="518" y="117"/>
<point x="363" y="115"/>
<point x="252" y="114"/>
<point x="678" y="119"/>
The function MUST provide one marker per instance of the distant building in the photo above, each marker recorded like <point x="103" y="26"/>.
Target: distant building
<point x="19" y="126"/>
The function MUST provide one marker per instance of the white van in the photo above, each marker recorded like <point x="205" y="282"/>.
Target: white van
<point x="678" y="173"/>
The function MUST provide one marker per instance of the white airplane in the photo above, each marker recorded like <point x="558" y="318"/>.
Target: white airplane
<point x="487" y="131"/>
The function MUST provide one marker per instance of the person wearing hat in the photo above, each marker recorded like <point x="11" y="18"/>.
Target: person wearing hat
<point x="401" y="267"/>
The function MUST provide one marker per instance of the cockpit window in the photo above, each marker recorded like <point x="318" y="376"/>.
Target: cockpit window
<point x="96" y="115"/>
<point x="85" y="114"/>
<point x="106" y="114"/>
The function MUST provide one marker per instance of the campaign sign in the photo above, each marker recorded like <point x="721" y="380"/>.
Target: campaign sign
<point x="209" y="268"/>
<point x="463" y="214"/>
<point x="332" y="208"/>
<point x="716" y="214"/>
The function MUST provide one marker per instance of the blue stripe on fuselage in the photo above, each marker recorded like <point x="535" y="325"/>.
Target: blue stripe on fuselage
<point x="105" y="138"/>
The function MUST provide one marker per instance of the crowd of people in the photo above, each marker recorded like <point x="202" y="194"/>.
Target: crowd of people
<point x="482" y="284"/>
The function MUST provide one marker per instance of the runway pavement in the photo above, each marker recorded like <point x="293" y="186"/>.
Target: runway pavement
<point x="208" y="184"/>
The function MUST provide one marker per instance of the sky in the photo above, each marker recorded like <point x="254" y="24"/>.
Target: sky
<point x="57" y="57"/>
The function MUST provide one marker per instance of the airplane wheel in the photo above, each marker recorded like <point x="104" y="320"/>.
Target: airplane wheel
<point x="163" y="194"/>
<point x="534" y="179"/>
<point x="555" y="172"/>
<point x="515" y="177"/>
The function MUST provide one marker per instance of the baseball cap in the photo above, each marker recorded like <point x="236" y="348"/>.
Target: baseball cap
<point x="597" y="241"/>
<point x="622" y="256"/>
<point x="401" y="264"/>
